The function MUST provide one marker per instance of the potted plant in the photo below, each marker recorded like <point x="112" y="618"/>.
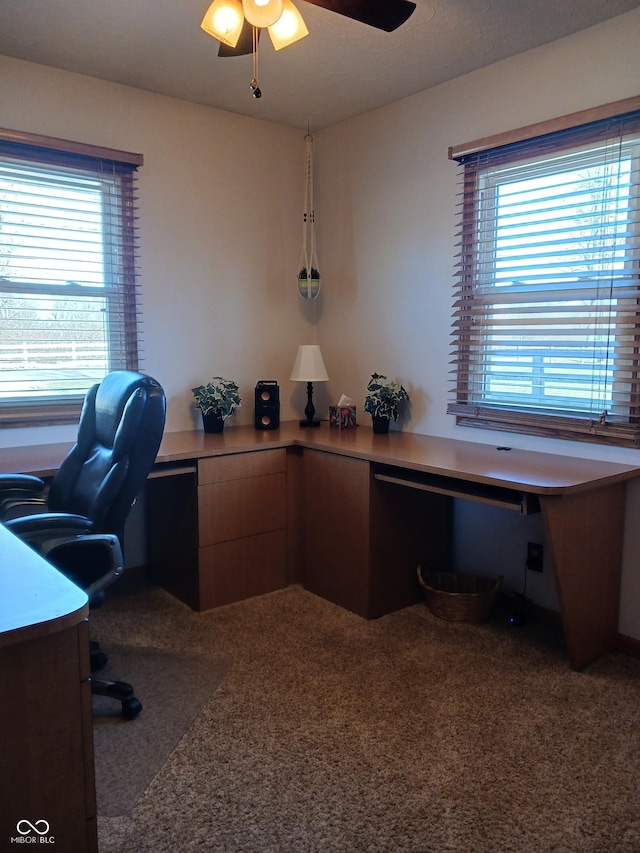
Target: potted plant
<point x="382" y="401"/>
<point x="308" y="287"/>
<point x="217" y="400"/>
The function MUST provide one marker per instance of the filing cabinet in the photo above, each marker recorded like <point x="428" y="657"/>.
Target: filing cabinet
<point x="242" y="526"/>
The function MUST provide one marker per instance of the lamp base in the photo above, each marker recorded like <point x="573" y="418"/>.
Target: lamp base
<point x="310" y="411"/>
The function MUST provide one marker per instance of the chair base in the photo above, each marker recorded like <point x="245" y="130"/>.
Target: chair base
<point x="121" y="691"/>
<point x="97" y="659"/>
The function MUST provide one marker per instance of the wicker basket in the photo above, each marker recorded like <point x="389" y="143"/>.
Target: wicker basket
<point x="458" y="597"/>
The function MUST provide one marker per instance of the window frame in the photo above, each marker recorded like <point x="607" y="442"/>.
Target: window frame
<point x="108" y="166"/>
<point x="468" y="405"/>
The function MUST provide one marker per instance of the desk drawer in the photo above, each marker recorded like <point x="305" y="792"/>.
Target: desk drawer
<point x="233" y="571"/>
<point x="239" y="508"/>
<point x="219" y="469"/>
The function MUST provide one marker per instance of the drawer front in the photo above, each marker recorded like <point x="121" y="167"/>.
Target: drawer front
<point x="219" y="469"/>
<point x="233" y="571"/>
<point x="238" y="508"/>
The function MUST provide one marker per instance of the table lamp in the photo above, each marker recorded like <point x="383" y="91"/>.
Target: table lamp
<point x="309" y="367"/>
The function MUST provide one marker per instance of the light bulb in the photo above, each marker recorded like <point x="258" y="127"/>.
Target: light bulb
<point x="289" y="28"/>
<point x="223" y="20"/>
<point x="262" y="13"/>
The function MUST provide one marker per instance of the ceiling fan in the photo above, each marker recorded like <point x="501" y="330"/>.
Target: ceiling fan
<point x="243" y="20"/>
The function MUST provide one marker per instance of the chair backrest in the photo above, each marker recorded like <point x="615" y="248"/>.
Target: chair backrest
<point x="119" y="434"/>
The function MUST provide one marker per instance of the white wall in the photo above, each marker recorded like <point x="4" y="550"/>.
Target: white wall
<point x="220" y="200"/>
<point x="386" y="218"/>
<point x="219" y="259"/>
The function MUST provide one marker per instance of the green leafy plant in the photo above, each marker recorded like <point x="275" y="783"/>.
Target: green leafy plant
<point x="315" y="275"/>
<point x="219" y="396"/>
<point x="384" y="397"/>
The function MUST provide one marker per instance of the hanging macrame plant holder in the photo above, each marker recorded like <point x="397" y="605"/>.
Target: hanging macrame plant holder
<point x="309" y="275"/>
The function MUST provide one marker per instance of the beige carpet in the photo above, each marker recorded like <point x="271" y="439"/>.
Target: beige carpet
<point x="173" y="687"/>
<point x="405" y="734"/>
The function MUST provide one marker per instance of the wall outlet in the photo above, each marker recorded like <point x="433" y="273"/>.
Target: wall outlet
<point x="534" y="557"/>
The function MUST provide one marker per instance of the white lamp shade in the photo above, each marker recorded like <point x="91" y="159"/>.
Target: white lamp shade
<point x="223" y="20"/>
<point x="262" y="13"/>
<point x="289" y="27"/>
<point x="309" y="366"/>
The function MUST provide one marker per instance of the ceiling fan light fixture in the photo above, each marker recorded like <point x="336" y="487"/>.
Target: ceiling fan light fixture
<point x="223" y="20"/>
<point x="289" y="28"/>
<point x="262" y="13"/>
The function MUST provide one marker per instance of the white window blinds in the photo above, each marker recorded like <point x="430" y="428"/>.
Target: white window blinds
<point x="546" y="326"/>
<point x="67" y="277"/>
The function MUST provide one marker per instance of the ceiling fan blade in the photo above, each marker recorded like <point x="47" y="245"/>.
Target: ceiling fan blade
<point x="245" y="43"/>
<point x="385" y="15"/>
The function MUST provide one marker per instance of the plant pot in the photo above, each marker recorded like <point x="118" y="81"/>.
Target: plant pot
<point x="212" y="422"/>
<point x="308" y="289"/>
<point x="380" y="424"/>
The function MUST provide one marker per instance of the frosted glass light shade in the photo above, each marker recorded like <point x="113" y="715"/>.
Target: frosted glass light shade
<point x="262" y="13"/>
<point x="309" y="366"/>
<point x="223" y="20"/>
<point x="289" y="27"/>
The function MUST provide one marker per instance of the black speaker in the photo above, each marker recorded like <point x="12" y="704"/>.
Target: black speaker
<point x="267" y="396"/>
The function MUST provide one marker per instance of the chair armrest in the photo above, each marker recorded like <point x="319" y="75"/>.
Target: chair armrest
<point x="20" y="485"/>
<point x="19" y="489"/>
<point x="92" y="561"/>
<point x="37" y="529"/>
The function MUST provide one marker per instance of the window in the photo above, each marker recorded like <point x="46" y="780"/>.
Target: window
<point x="67" y="274"/>
<point x="547" y="308"/>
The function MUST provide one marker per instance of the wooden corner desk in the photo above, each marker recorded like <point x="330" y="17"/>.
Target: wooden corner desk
<point x="350" y="514"/>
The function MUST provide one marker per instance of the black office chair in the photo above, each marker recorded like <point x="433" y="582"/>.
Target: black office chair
<point x="79" y="527"/>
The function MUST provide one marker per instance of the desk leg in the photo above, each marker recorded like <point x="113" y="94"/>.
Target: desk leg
<point x="585" y="536"/>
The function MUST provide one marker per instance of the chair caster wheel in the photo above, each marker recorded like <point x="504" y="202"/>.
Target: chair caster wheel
<point x="131" y="708"/>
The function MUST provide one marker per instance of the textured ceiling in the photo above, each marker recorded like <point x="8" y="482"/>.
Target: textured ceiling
<point x="341" y="69"/>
